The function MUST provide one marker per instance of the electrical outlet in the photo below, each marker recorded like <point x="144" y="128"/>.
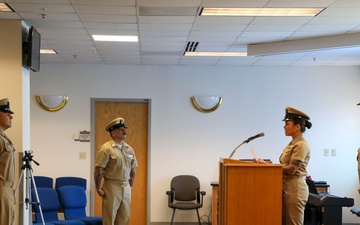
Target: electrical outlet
<point x="326" y="152"/>
<point x="333" y="152"/>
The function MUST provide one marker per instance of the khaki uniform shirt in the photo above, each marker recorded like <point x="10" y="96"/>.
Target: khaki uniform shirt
<point x="7" y="161"/>
<point x="297" y="149"/>
<point x="116" y="160"/>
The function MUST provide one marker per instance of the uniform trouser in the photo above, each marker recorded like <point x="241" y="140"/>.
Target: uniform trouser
<point x="295" y="196"/>
<point x="7" y="205"/>
<point x="116" y="203"/>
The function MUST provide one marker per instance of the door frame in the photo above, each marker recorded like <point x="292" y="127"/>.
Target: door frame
<point x="93" y="101"/>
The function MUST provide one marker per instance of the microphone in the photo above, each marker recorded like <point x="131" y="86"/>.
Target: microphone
<point x="254" y="137"/>
<point x="246" y="141"/>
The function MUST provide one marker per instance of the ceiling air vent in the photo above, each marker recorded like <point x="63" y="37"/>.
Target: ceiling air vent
<point x="191" y="46"/>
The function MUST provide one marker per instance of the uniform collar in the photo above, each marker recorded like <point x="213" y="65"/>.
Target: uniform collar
<point x="297" y="139"/>
<point x="114" y="144"/>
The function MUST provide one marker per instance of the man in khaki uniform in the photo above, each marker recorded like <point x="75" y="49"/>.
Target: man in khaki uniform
<point x="116" y="163"/>
<point x="7" y="167"/>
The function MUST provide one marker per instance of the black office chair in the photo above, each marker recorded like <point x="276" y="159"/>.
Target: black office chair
<point x="185" y="194"/>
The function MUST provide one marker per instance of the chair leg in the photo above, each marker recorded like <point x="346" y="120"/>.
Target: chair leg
<point x="172" y="218"/>
<point x="197" y="211"/>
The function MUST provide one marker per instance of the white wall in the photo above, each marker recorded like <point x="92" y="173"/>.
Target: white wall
<point x="185" y="141"/>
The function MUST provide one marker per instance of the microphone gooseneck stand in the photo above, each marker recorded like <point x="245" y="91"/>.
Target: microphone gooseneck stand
<point x="246" y="141"/>
<point x="233" y="152"/>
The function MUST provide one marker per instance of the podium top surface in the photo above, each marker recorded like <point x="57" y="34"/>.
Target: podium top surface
<point x="235" y="162"/>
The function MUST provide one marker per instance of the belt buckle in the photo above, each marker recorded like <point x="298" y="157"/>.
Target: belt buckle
<point x="124" y="183"/>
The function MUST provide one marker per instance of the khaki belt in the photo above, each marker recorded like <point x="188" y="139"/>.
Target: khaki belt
<point x="123" y="183"/>
<point x="6" y="183"/>
<point x="285" y="178"/>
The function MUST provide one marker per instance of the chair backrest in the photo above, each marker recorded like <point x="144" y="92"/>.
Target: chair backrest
<point x="63" y="181"/>
<point x="43" y="181"/>
<point x="49" y="202"/>
<point x="73" y="201"/>
<point x="186" y="187"/>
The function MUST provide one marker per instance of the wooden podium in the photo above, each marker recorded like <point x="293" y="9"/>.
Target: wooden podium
<point x="249" y="193"/>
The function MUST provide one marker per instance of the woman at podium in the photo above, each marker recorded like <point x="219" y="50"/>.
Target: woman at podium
<point x="295" y="157"/>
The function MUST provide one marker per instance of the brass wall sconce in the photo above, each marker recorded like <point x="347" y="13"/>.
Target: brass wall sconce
<point x="52" y="103"/>
<point x="206" y="103"/>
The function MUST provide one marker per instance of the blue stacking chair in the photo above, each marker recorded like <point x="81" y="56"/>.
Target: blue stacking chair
<point x="49" y="202"/>
<point x="64" y="181"/>
<point x="43" y="181"/>
<point x="42" y="224"/>
<point x="73" y="201"/>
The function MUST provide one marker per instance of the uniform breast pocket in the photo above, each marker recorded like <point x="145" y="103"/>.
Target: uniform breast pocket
<point x="113" y="160"/>
<point x="113" y="157"/>
<point x="129" y="155"/>
<point x="9" y="147"/>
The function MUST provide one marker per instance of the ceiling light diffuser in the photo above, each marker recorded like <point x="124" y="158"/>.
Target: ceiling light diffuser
<point x="115" y="38"/>
<point x="5" y="8"/>
<point x="215" y="54"/>
<point x="47" y="51"/>
<point x="260" y="11"/>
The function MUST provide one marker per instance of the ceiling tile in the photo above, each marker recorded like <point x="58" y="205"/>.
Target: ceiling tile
<point x="165" y="27"/>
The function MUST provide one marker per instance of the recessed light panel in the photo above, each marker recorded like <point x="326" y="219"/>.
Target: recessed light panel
<point x="47" y="51"/>
<point x="215" y="54"/>
<point x="260" y="11"/>
<point x="115" y="38"/>
<point x="5" y="8"/>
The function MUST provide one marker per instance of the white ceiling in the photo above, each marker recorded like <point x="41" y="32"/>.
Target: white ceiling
<point x="164" y="28"/>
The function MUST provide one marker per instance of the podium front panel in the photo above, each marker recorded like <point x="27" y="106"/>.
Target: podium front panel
<point x="250" y="193"/>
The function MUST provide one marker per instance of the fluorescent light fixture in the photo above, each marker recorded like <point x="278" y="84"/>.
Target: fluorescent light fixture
<point x="215" y="54"/>
<point x="47" y="51"/>
<point x="260" y="11"/>
<point x="5" y="8"/>
<point x="115" y="38"/>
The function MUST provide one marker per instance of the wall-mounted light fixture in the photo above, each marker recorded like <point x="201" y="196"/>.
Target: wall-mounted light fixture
<point x="52" y="103"/>
<point x="206" y="103"/>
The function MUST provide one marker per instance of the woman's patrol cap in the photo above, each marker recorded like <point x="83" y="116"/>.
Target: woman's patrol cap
<point x="5" y="106"/>
<point x="116" y="123"/>
<point x="292" y="113"/>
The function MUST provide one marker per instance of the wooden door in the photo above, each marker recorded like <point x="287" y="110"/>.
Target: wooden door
<point x="135" y="115"/>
